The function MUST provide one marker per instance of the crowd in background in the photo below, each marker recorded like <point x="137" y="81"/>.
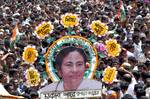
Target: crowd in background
<point x="133" y="82"/>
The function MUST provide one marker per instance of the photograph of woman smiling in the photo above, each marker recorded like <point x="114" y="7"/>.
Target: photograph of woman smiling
<point x="71" y="65"/>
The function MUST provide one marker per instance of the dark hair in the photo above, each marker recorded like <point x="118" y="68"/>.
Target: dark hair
<point x="136" y="74"/>
<point x="141" y="65"/>
<point x="64" y="52"/>
<point x="33" y="94"/>
<point x="127" y="78"/>
<point x="1" y="76"/>
<point x="140" y="92"/>
<point x="116" y="88"/>
<point x="7" y="86"/>
<point x="137" y="86"/>
<point x="145" y="75"/>
<point x="124" y="85"/>
<point x="127" y="96"/>
<point x="132" y="59"/>
<point x="143" y="97"/>
<point x="147" y="63"/>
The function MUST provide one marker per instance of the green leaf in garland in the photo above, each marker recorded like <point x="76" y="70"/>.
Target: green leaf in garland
<point x="101" y="55"/>
<point x="92" y="38"/>
<point x="97" y="74"/>
<point x="70" y="31"/>
<point x="86" y="74"/>
<point x="44" y="74"/>
<point x="49" y="40"/>
<point x="73" y="32"/>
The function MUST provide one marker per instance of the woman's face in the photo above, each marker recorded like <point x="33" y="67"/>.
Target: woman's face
<point x="72" y="70"/>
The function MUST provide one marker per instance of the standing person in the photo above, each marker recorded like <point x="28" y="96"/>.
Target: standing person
<point x="138" y="51"/>
<point x="71" y="63"/>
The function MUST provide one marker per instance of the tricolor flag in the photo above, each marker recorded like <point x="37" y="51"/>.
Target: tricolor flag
<point x="15" y="31"/>
<point x="121" y="12"/>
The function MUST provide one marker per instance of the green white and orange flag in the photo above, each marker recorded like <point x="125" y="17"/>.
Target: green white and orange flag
<point x="15" y="31"/>
<point x="121" y="12"/>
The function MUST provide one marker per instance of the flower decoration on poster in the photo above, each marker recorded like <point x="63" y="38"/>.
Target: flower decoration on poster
<point x="44" y="29"/>
<point x="69" y="20"/>
<point x="30" y="54"/>
<point x="101" y="48"/>
<point x="109" y="75"/>
<point x="76" y="41"/>
<point x="32" y="76"/>
<point x="98" y="28"/>
<point x="113" y="48"/>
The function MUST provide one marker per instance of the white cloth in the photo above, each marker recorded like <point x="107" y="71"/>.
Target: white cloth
<point x="148" y="92"/>
<point x="130" y="89"/>
<point x="4" y="94"/>
<point x="3" y="91"/>
<point x="138" y="53"/>
<point x="85" y="85"/>
<point x="135" y="68"/>
<point x="130" y="54"/>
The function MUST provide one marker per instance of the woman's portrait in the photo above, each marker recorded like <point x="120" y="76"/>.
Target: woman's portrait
<point x="71" y="65"/>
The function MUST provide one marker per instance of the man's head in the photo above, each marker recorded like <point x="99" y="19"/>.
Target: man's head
<point x="34" y="95"/>
<point x="136" y="38"/>
<point x="10" y="60"/>
<point x="124" y="86"/>
<point x="127" y="96"/>
<point x="140" y="92"/>
<point x="132" y="61"/>
<point x="127" y="78"/>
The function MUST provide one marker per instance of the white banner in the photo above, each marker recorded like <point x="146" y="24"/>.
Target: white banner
<point x="70" y="94"/>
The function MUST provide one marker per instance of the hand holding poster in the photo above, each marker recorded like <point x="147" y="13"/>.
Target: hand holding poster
<point x="113" y="47"/>
<point x="32" y="76"/>
<point x="98" y="28"/>
<point x="43" y="29"/>
<point x="30" y="54"/>
<point x="69" y="20"/>
<point x="109" y="75"/>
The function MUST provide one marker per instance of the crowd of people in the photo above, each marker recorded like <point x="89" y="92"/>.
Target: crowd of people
<point x="133" y="34"/>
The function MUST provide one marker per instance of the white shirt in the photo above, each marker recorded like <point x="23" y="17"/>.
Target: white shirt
<point x="138" y="53"/>
<point x="130" y="54"/>
<point x="148" y="92"/>
<point x="130" y="89"/>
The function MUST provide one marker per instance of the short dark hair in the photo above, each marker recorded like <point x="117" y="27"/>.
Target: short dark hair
<point x="140" y="92"/>
<point x="132" y="59"/>
<point x="127" y="78"/>
<point x="33" y="94"/>
<point x="143" y="97"/>
<point x="137" y="86"/>
<point x="124" y="85"/>
<point x="127" y="96"/>
<point x="1" y="76"/>
<point x="64" y="52"/>
<point x="136" y="74"/>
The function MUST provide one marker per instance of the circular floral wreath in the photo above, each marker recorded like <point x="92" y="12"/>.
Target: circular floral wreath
<point x="75" y="41"/>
